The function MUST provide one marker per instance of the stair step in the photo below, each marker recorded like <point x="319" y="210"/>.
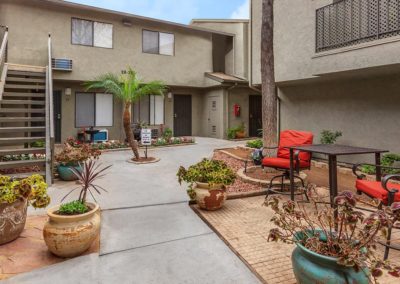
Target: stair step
<point x="21" y="102"/>
<point x="22" y="129"/>
<point x="25" y="73"/>
<point x="28" y="87"/>
<point x="22" y="110"/>
<point x="24" y="163"/>
<point x="30" y="80"/>
<point x="17" y="94"/>
<point x="16" y="151"/>
<point x="22" y="119"/>
<point x="19" y="140"/>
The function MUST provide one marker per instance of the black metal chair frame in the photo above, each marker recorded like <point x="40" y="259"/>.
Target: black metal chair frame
<point x="286" y="175"/>
<point x="391" y="195"/>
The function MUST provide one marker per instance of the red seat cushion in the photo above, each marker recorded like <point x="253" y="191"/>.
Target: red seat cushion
<point x="375" y="189"/>
<point x="282" y="163"/>
<point x="294" y="138"/>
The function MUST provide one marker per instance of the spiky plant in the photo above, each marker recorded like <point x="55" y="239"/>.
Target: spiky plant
<point x="129" y="88"/>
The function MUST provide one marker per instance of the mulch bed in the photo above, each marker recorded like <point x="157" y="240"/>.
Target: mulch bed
<point x="258" y="173"/>
<point x="240" y="152"/>
<point x="20" y="170"/>
<point x="144" y="159"/>
<point x="235" y="165"/>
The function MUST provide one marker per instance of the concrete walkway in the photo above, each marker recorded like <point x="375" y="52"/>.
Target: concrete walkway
<point x="148" y="234"/>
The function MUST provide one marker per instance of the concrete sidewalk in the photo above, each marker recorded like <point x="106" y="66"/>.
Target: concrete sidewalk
<point x="149" y="234"/>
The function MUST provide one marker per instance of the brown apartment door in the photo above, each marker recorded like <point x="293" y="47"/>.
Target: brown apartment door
<point x="182" y="115"/>
<point x="255" y="115"/>
<point x="57" y="115"/>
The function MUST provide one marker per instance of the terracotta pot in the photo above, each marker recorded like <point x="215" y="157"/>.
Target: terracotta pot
<point x="69" y="236"/>
<point x="210" y="197"/>
<point x="12" y="220"/>
<point x="240" y="135"/>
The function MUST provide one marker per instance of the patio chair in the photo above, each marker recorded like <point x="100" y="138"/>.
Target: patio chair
<point x="281" y="162"/>
<point x="384" y="191"/>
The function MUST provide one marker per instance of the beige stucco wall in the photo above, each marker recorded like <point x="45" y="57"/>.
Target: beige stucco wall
<point x="255" y="42"/>
<point x="30" y="22"/>
<point x="294" y="44"/>
<point x="239" y="96"/>
<point x="68" y="113"/>
<point x="366" y="111"/>
<point x="240" y="29"/>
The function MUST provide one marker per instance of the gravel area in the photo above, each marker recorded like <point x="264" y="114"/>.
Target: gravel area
<point x="238" y="185"/>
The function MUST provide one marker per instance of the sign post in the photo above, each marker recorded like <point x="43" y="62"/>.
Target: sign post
<point x="145" y="136"/>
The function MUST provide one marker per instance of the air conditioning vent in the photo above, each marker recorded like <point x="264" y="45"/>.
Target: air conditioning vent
<point x="61" y="64"/>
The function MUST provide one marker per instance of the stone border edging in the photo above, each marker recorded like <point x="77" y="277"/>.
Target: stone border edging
<point x="143" y="163"/>
<point x="150" y="148"/>
<point x="242" y="176"/>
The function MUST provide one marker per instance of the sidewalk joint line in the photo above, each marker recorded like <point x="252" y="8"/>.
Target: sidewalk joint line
<point x="143" y="206"/>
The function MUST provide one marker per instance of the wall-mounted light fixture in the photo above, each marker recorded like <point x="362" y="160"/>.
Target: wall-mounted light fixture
<point x="68" y="93"/>
<point x="127" y="23"/>
<point x="169" y="96"/>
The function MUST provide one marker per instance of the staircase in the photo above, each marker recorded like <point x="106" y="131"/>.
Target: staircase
<point x="22" y="120"/>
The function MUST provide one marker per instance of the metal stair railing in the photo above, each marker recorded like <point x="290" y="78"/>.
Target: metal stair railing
<point x="3" y="59"/>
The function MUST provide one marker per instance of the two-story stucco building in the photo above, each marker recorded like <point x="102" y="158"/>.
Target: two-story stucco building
<point x="204" y="65"/>
<point x="337" y="67"/>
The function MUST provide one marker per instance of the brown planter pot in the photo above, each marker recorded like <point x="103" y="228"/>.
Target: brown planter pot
<point x="210" y="197"/>
<point x="240" y="135"/>
<point x="69" y="236"/>
<point x="12" y="220"/>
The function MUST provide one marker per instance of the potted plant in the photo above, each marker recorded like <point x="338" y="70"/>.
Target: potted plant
<point x="207" y="180"/>
<point x="72" y="227"/>
<point x="240" y="131"/>
<point x="71" y="157"/>
<point x="326" y="255"/>
<point x="15" y="196"/>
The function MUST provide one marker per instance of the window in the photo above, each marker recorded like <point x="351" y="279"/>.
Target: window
<point x="158" y="43"/>
<point x="149" y="110"/>
<point x="93" y="110"/>
<point x="91" y="33"/>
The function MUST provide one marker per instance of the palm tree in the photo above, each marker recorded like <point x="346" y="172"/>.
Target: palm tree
<point x="269" y="96"/>
<point x="129" y="88"/>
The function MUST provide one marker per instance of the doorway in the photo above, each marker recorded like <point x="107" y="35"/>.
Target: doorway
<point x="182" y="115"/>
<point x="212" y="116"/>
<point x="255" y="116"/>
<point x="57" y="115"/>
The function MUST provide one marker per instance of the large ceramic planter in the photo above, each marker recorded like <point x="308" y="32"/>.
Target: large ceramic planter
<point x="210" y="197"/>
<point x="69" y="236"/>
<point x="12" y="220"/>
<point x="311" y="267"/>
<point x="65" y="172"/>
<point x="240" y="135"/>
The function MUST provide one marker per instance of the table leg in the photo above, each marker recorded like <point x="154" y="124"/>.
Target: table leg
<point x="291" y="174"/>
<point x="333" y="190"/>
<point x="378" y="169"/>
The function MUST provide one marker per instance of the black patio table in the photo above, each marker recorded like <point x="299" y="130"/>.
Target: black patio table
<point x="332" y="151"/>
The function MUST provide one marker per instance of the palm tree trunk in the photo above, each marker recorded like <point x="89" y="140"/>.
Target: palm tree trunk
<point x="269" y="96"/>
<point x="128" y="131"/>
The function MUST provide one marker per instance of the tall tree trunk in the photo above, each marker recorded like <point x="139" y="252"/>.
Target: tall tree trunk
<point x="128" y="130"/>
<point x="269" y="96"/>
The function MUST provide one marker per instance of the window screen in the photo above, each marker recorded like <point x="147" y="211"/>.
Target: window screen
<point x="149" y="110"/>
<point x="104" y="110"/>
<point x="150" y="42"/>
<point x="82" y="32"/>
<point x="84" y="110"/>
<point x="167" y="44"/>
<point x="103" y="35"/>
<point x="144" y="109"/>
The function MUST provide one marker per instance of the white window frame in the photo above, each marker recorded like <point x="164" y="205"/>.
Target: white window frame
<point x="95" y="111"/>
<point x="93" y="43"/>
<point x="159" y="42"/>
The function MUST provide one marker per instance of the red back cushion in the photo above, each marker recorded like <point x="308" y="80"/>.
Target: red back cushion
<point x="294" y="138"/>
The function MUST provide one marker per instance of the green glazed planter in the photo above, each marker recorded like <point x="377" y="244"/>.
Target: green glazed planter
<point x="311" y="267"/>
<point x="66" y="173"/>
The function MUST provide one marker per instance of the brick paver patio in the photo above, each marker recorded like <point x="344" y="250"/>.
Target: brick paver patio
<point x="244" y="224"/>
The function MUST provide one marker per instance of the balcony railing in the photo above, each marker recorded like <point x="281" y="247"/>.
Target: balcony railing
<point x="351" y="22"/>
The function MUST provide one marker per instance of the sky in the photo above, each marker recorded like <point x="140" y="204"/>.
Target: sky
<point x="180" y="11"/>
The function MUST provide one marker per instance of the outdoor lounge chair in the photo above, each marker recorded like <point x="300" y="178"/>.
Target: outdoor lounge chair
<point x="281" y="162"/>
<point x="384" y="191"/>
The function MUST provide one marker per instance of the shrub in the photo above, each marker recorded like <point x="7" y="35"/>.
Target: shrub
<point x="72" y="156"/>
<point x="330" y="137"/>
<point x="33" y="189"/>
<point x="387" y="161"/>
<point x="257" y="144"/>
<point x="167" y="134"/>
<point x="75" y="207"/>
